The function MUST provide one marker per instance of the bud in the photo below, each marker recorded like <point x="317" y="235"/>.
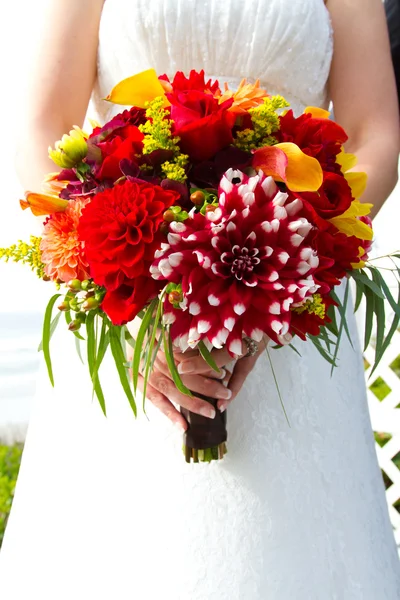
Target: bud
<point x="175" y="297"/>
<point x="99" y="296"/>
<point x="198" y="198"/>
<point x="164" y="228"/>
<point x="46" y="278"/>
<point x="210" y="208"/>
<point x="169" y="216"/>
<point x="74" y="325"/>
<point x="90" y="304"/>
<point x="64" y="306"/>
<point x="74" y="285"/>
<point x="73" y="304"/>
<point x="85" y="284"/>
<point x="81" y="317"/>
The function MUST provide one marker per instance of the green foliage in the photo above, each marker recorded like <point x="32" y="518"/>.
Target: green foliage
<point x="10" y="458"/>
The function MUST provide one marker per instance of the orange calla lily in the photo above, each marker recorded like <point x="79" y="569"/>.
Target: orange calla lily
<point x="43" y="204"/>
<point x="286" y="162"/>
<point x="317" y="113"/>
<point x="138" y="90"/>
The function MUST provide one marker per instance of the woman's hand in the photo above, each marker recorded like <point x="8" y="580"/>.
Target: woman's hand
<point x="235" y="380"/>
<point x="199" y="378"/>
<point x="162" y="392"/>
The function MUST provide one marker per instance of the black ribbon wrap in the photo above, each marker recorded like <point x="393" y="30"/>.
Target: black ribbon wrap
<point x="203" y="432"/>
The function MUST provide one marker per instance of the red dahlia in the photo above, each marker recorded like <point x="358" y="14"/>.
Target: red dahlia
<point x="242" y="267"/>
<point x="119" y="229"/>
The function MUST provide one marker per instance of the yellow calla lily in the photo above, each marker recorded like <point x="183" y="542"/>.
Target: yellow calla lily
<point x="357" y="183"/>
<point x="43" y="204"/>
<point x="286" y="162"/>
<point x="361" y="263"/>
<point x="317" y="113"/>
<point x="303" y="172"/>
<point x="138" y="90"/>
<point x="350" y="224"/>
<point x="346" y="161"/>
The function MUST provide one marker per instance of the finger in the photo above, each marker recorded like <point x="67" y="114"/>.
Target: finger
<point x="161" y="365"/>
<point x="242" y="369"/>
<point x="167" y="387"/>
<point x="206" y="386"/>
<point x="199" y="365"/>
<point x="164" y="405"/>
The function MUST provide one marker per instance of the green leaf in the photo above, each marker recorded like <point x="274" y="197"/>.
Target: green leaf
<point x="91" y="341"/>
<point x="137" y="355"/>
<point x="78" y="349"/>
<point x="152" y="340"/>
<point x="332" y="327"/>
<point x="47" y="335"/>
<point x="359" y="294"/>
<point x="277" y="384"/>
<point x="369" y="315"/>
<point x="53" y="326"/>
<point x="207" y="356"/>
<point x="169" y="355"/>
<point x="104" y="341"/>
<point x="129" y="339"/>
<point x="386" y="290"/>
<point x="388" y="339"/>
<point x="342" y="310"/>
<point x="343" y="323"/>
<point x="360" y="275"/>
<point x="294" y="349"/>
<point x="119" y="359"/>
<point x="324" y="353"/>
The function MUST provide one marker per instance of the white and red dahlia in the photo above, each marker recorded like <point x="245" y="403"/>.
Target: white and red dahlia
<point x="242" y="267"/>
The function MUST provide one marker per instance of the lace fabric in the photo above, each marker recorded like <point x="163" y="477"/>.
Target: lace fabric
<point x="108" y="507"/>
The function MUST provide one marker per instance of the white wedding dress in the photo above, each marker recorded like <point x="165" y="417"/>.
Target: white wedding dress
<point x="107" y="508"/>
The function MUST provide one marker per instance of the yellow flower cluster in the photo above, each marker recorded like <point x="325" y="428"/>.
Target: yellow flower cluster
<point x="265" y="119"/>
<point x="314" y="306"/>
<point x="158" y="136"/>
<point x="29" y="254"/>
<point x="176" y="169"/>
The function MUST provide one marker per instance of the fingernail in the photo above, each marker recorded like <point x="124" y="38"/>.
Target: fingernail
<point x="186" y="367"/>
<point x="222" y="408"/>
<point x="180" y="427"/>
<point x="225" y="394"/>
<point x="207" y="411"/>
<point x="221" y="374"/>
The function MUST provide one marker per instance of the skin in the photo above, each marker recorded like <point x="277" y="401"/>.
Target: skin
<point x="361" y="86"/>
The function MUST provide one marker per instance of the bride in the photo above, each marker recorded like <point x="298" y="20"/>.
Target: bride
<point x="107" y="508"/>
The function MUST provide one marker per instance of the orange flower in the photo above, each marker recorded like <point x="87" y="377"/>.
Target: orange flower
<point x="62" y="251"/>
<point x="248" y="95"/>
<point x="53" y="185"/>
<point x="43" y="204"/>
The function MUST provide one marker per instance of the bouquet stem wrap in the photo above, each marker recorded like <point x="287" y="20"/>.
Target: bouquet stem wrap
<point x="205" y="438"/>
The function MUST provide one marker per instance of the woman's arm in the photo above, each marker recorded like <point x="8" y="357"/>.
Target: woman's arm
<point x="60" y="82"/>
<point x="363" y="91"/>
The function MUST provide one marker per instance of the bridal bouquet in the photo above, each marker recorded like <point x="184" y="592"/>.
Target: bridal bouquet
<point x="214" y="215"/>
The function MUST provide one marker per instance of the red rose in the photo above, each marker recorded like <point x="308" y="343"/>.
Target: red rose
<point x="126" y="142"/>
<point x="204" y="125"/>
<point x="321" y="138"/>
<point x="119" y="229"/>
<point x="123" y="304"/>
<point x="332" y="199"/>
<point x="336" y="252"/>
